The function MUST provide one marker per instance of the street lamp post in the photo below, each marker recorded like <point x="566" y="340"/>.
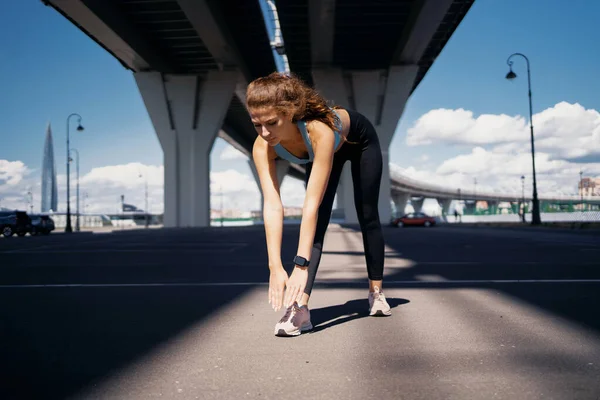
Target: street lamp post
<point x="30" y="201"/>
<point x="581" y="187"/>
<point x="475" y="196"/>
<point x="523" y="197"/>
<point x="68" y="227"/>
<point x="146" y="199"/>
<point x="85" y="205"/>
<point x="221" y="190"/>
<point x="535" y="212"/>
<point x="459" y="202"/>
<point x="77" y="226"/>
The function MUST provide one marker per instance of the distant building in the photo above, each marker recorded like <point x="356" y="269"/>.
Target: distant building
<point x="49" y="189"/>
<point x="130" y="207"/>
<point x="589" y="187"/>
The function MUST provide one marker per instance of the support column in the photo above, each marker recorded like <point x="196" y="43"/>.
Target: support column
<point x="331" y="84"/>
<point x="380" y="96"/>
<point x="417" y="204"/>
<point x="516" y="207"/>
<point x="445" y="204"/>
<point x="153" y="92"/>
<point x="400" y="200"/>
<point x="345" y="195"/>
<point x="187" y="113"/>
<point x="282" y="167"/>
<point x="493" y="207"/>
<point x="470" y="208"/>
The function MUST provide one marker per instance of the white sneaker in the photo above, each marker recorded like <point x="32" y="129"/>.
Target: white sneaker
<point x="378" y="306"/>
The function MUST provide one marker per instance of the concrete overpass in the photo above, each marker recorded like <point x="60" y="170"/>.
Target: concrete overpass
<point x="404" y="188"/>
<point x="192" y="60"/>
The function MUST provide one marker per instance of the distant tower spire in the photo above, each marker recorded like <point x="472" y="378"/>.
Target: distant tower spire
<point x="49" y="189"/>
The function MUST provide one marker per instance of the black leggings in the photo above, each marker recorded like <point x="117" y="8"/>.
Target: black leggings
<point x="366" y="165"/>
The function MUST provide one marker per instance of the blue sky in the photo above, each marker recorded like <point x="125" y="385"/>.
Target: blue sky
<point x="50" y="69"/>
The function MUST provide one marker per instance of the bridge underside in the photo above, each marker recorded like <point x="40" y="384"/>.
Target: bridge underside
<point x="193" y="58"/>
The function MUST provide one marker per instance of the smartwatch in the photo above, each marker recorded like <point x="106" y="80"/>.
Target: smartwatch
<point x="301" y="261"/>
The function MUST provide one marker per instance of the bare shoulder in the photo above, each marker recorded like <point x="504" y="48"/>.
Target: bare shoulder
<point x="262" y="151"/>
<point x="317" y="130"/>
<point x="321" y="136"/>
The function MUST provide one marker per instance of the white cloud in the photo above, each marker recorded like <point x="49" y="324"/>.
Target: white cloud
<point x="292" y="192"/>
<point x="566" y="130"/>
<point x="502" y="154"/>
<point x="17" y="185"/>
<point x="459" y="126"/>
<point x="132" y="174"/>
<point x="12" y="172"/>
<point x="231" y="153"/>
<point x="497" y="171"/>
<point x="101" y="188"/>
<point x="239" y="190"/>
<point x="242" y="192"/>
<point x="232" y="181"/>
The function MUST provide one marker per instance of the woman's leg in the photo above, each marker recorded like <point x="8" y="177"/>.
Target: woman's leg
<point x="322" y="222"/>
<point x="366" y="177"/>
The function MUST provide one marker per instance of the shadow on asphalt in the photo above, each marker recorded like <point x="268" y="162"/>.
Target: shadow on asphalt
<point x="512" y="260"/>
<point x="56" y="342"/>
<point x="328" y="317"/>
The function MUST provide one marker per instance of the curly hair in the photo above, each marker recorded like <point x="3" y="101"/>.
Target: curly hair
<point x="290" y="95"/>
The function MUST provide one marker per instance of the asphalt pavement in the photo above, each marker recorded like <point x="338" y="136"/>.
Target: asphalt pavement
<point x="478" y="313"/>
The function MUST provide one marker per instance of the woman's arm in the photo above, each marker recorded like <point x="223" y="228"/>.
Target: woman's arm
<point x="264" y="161"/>
<point x="323" y="142"/>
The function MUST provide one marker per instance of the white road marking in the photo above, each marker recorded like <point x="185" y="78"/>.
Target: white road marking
<point x="233" y="263"/>
<point x="216" y="284"/>
<point x="225" y="247"/>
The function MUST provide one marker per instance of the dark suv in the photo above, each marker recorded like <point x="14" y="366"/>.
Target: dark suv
<point x="12" y="222"/>
<point x="41" y="224"/>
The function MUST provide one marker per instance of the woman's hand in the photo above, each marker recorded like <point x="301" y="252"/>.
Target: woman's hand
<point x="277" y="282"/>
<point x="295" y="286"/>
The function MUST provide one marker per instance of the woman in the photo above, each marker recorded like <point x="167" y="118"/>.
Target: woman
<point x="294" y="123"/>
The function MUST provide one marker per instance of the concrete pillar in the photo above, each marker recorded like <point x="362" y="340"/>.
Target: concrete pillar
<point x="282" y="167"/>
<point x="445" y="204"/>
<point x="470" y="208"/>
<point x="417" y="204"/>
<point x="400" y="200"/>
<point x="331" y="84"/>
<point x="492" y="207"/>
<point x="380" y="96"/>
<point x="516" y="207"/>
<point x="187" y="113"/>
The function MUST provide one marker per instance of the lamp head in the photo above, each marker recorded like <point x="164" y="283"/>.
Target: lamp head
<point x="80" y="128"/>
<point x="511" y="75"/>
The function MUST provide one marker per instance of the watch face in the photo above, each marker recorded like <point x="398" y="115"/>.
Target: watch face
<point x="300" y="261"/>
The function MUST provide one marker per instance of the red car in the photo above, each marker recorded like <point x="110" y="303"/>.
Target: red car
<point x="414" y="219"/>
